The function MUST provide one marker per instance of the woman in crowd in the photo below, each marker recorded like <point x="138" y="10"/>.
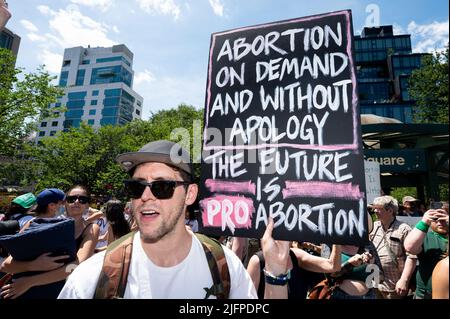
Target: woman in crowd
<point x="351" y="281"/>
<point x="52" y="271"/>
<point x="118" y="226"/>
<point x="300" y="264"/>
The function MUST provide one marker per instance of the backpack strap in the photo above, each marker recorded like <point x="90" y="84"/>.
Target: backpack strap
<point x="218" y="266"/>
<point x="114" y="274"/>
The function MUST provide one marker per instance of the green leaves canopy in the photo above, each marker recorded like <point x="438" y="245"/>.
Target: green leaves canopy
<point x="84" y="155"/>
<point x="22" y="102"/>
<point x="429" y="87"/>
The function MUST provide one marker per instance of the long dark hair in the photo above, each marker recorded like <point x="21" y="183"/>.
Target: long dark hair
<point x="115" y="216"/>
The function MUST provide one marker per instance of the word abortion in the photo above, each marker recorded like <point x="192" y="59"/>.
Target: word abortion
<point x="310" y="38"/>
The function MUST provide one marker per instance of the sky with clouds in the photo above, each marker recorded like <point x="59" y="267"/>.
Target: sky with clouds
<point x="170" y="38"/>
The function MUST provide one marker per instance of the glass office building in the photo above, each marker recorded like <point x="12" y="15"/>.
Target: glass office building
<point x="98" y="86"/>
<point x="9" y="40"/>
<point x="384" y="63"/>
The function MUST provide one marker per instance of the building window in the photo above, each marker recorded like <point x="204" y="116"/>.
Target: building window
<point x="66" y="63"/>
<point x="111" y="74"/>
<point x="92" y="112"/>
<point x="42" y="133"/>
<point x="56" y="113"/>
<point x="55" y="123"/>
<point x="77" y="95"/>
<point x="95" y="93"/>
<point x="91" y="122"/>
<point x="52" y="133"/>
<point x="63" y="78"/>
<point x="80" y="77"/>
<point x="85" y="62"/>
<point x="108" y="121"/>
<point x="94" y="102"/>
<point x="44" y="124"/>
<point x="138" y="112"/>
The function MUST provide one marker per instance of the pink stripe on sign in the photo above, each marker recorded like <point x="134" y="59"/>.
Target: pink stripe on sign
<point x="322" y="189"/>
<point x="227" y="212"/>
<point x="218" y="185"/>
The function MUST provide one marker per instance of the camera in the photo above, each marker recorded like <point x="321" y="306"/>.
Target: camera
<point x="436" y="205"/>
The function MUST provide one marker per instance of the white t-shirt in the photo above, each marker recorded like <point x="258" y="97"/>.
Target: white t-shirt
<point x="146" y="280"/>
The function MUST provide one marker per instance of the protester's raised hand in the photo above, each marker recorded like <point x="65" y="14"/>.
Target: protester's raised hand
<point x="276" y="252"/>
<point x="434" y="214"/>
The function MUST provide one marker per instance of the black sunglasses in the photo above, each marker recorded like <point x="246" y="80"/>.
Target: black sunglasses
<point x="81" y="199"/>
<point x="160" y="189"/>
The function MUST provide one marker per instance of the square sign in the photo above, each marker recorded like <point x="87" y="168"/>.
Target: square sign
<point x="282" y="133"/>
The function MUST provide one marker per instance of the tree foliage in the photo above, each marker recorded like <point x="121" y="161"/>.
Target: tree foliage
<point x="24" y="98"/>
<point x="87" y="156"/>
<point x="429" y="87"/>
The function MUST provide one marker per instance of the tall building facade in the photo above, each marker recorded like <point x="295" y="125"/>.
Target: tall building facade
<point x="384" y="63"/>
<point x="98" y="90"/>
<point x="9" y="40"/>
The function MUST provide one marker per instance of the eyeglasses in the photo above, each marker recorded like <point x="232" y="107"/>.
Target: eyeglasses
<point x="160" y="189"/>
<point x="81" y="199"/>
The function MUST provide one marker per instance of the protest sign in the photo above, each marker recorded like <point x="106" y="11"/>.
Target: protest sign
<point x="282" y="133"/>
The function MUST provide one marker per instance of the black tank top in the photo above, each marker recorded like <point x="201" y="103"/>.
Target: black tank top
<point x="79" y="239"/>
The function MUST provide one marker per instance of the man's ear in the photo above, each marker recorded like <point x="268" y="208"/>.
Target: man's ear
<point x="191" y="194"/>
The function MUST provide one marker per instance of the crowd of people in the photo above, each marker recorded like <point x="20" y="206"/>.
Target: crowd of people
<point x="150" y="247"/>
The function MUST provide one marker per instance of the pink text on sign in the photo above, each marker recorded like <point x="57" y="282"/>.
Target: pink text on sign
<point x="227" y="211"/>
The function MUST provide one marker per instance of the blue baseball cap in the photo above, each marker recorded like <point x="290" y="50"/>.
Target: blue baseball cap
<point x="50" y="195"/>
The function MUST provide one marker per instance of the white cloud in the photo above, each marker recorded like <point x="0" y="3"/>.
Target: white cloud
<point x="398" y="29"/>
<point x="429" y="37"/>
<point x="36" y="37"/>
<point x="44" y="9"/>
<point x="51" y="60"/>
<point x="71" y="28"/>
<point x="141" y="77"/>
<point x="29" y="25"/>
<point x="115" y="29"/>
<point x="217" y="7"/>
<point x="103" y="5"/>
<point x="168" y="7"/>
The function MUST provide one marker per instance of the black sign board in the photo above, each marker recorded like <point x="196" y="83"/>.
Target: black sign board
<point x="282" y="133"/>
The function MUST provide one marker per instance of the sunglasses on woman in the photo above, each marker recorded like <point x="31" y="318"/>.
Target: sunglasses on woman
<point x="81" y="199"/>
<point x="160" y="189"/>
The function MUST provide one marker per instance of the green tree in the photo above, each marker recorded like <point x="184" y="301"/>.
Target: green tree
<point x="429" y="87"/>
<point x="22" y="102"/>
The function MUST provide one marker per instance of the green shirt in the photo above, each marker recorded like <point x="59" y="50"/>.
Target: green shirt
<point x="433" y="249"/>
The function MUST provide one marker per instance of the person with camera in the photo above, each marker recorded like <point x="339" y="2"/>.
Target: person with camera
<point x="429" y="246"/>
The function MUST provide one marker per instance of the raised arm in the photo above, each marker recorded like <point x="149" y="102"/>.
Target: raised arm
<point x="414" y="240"/>
<point x="320" y="264"/>
<point x="276" y="256"/>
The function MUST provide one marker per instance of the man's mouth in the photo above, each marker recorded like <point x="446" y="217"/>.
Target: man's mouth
<point x="149" y="213"/>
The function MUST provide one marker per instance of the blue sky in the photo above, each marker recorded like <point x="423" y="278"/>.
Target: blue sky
<point x="170" y="38"/>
